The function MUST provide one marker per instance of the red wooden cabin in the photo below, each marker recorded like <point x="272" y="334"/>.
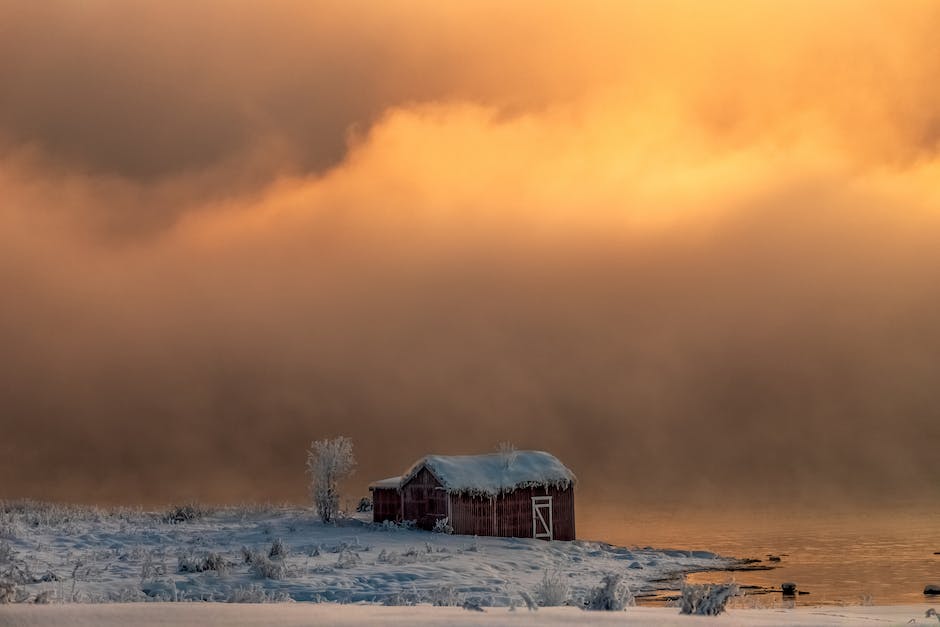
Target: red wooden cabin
<point x="522" y="494"/>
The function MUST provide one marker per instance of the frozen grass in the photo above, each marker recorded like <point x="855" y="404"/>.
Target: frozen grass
<point x="552" y="590"/>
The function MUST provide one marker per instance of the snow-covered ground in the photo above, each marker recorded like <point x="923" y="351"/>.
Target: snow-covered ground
<point x="62" y="554"/>
<point x="304" y="614"/>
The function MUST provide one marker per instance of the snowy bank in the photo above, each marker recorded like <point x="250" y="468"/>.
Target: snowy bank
<point x="304" y="614"/>
<point x="59" y="554"/>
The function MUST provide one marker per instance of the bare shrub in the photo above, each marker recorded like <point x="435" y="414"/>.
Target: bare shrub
<point x="328" y="462"/>
<point x="444" y="596"/>
<point x="529" y="601"/>
<point x="7" y="592"/>
<point x="706" y="599"/>
<point x="149" y="569"/>
<point x="197" y="564"/>
<point x="278" y="550"/>
<point x="348" y="559"/>
<point x="6" y="552"/>
<point x="217" y="563"/>
<point x="126" y="595"/>
<point x="184" y="513"/>
<point x="403" y="598"/>
<point x="8" y="526"/>
<point x="613" y="595"/>
<point x="552" y="590"/>
<point x="394" y="557"/>
<point x="189" y="564"/>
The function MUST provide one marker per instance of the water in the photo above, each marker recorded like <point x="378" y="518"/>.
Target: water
<point x="883" y="557"/>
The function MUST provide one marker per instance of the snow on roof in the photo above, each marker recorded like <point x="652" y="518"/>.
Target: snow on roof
<point x="495" y="473"/>
<point x="391" y="482"/>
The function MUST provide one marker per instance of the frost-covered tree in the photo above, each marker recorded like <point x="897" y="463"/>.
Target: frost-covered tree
<point x="328" y="462"/>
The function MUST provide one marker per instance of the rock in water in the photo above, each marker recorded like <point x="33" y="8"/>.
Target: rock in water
<point x="789" y="588"/>
<point x="932" y="589"/>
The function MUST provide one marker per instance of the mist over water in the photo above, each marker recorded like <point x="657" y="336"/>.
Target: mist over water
<point x="882" y="555"/>
<point x="690" y="252"/>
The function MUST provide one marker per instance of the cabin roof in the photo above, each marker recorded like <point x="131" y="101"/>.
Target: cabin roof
<point x="391" y="482"/>
<point x="494" y="473"/>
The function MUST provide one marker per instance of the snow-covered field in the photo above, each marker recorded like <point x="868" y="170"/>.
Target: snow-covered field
<point x="72" y="554"/>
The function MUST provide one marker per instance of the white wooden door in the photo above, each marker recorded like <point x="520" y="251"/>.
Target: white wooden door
<point x="542" y="517"/>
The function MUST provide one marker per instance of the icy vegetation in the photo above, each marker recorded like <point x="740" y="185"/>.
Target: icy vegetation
<point x="706" y="599"/>
<point x="612" y="595"/>
<point x="54" y="553"/>
<point x="328" y="462"/>
<point x="553" y="589"/>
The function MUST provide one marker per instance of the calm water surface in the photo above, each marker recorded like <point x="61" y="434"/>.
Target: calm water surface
<point x="838" y="557"/>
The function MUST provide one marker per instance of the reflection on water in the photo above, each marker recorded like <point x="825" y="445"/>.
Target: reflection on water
<point x="884" y="556"/>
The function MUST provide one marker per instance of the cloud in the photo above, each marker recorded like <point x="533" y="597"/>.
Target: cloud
<point x="660" y="241"/>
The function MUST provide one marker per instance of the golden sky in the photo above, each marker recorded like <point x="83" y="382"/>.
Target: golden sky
<point x="695" y="237"/>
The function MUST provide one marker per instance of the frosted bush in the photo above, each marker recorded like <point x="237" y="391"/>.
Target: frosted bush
<point x="6" y="552"/>
<point x="444" y="596"/>
<point x="278" y="550"/>
<point x="403" y="598"/>
<point x="150" y="569"/>
<point x="706" y="599"/>
<point x="7" y="592"/>
<point x="348" y="559"/>
<point x="391" y="525"/>
<point x="442" y="525"/>
<point x="262" y="566"/>
<point x="125" y="595"/>
<point x="8" y="526"/>
<point x="613" y="595"/>
<point x="217" y="563"/>
<point x="189" y="564"/>
<point x="197" y="564"/>
<point x="552" y="590"/>
<point x="186" y="512"/>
